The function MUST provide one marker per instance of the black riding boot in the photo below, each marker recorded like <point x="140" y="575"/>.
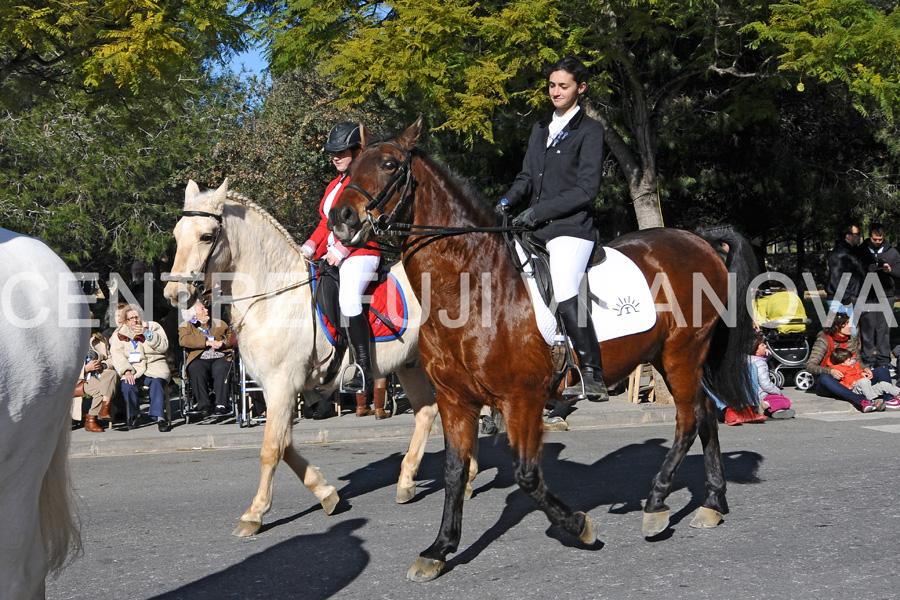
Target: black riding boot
<point x="587" y="349"/>
<point x="361" y="340"/>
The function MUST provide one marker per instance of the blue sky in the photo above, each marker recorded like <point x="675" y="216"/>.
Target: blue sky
<point x="252" y="60"/>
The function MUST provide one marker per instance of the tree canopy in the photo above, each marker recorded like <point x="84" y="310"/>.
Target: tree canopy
<point x="654" y="63"/>
<point x="111" y="48"/>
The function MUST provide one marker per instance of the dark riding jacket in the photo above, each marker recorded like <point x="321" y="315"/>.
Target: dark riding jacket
<point x="561" y="180"/>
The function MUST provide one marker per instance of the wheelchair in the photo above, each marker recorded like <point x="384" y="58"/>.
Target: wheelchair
<point x="189" y="405"/>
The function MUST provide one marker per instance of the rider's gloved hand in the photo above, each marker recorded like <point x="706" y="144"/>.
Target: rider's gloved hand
<point x="526" y="218"/>
<point x="502" y="208"/>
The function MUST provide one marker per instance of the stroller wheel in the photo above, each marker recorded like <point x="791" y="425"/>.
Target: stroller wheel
<point x="777" y="378"/>
<point x="804" y="380"/>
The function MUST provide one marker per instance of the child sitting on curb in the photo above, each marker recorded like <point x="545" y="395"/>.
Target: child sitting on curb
<point x="859" y="381"/>
<point x="771" y="401"/>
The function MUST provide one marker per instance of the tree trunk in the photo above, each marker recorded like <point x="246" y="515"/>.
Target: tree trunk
<point x="646" y="202"/>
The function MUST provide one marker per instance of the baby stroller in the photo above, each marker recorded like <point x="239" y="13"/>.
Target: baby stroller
<point x="782" y="318"/>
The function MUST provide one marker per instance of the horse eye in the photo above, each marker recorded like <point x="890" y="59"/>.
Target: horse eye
<point x="206" y="237"/>
<point x="389" y="165"/>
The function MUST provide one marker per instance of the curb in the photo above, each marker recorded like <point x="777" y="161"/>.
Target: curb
<point x="198" y="437"/>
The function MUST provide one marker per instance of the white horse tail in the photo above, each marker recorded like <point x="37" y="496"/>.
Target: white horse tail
<point x="60" y="525"/>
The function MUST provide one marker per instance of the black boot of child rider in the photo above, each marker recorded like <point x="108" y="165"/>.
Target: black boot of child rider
<point x="361" y="341"/>
<point x="587" y="349"/>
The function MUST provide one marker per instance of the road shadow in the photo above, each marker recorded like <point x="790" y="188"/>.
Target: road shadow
<point x="620" y="480"/>
<point x="301" y="567"/>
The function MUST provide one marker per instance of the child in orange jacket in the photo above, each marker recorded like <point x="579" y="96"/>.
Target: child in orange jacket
<point x="859" y="380"/>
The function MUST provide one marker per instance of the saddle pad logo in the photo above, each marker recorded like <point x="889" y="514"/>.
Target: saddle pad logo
<point x="626" y="306"/>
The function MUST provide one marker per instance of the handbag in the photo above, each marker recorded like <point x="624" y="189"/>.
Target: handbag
<point x="79" y="389"/>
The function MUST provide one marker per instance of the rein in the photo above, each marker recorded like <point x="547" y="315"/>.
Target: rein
<point x="385" y="224"/>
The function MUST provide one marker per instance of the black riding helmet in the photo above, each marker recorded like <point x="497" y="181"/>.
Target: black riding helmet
<point x="342" y="136"/>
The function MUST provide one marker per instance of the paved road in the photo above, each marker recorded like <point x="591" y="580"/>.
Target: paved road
<point x="814" y="514"/>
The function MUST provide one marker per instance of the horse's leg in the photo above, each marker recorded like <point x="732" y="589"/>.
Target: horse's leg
<point x="276" y="439"/>
<point x="417" y="387"/>
<point x="710" y="513"/>
<point x="312" y="479"/>
<point x="460" y="423"/>
<point x="687" y="397"/>
<point x="525" y="429"/>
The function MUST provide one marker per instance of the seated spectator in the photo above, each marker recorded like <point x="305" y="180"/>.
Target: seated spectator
<point x="100" y="382"/>
<point x="860" y="381"/>
<point x="773" y="403"/>
<point x="828" y="385"/>
<point x="207" y="342"/>
<point x="118" y="318"/>
<point x="138" y="349"/>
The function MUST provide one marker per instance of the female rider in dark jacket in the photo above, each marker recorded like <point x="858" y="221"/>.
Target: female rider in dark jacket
<point x="561" y="177"/>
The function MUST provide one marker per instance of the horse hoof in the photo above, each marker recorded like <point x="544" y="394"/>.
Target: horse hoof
<point x="706" y="518"/>
<point x="469" y="491"/>
<point x="425" y="569"/>
<point x="246" y="528"/>
<point x="330" y="501"/>
<point x="655" y="523"/>
<point x="589" y="533"/>
<point x="406" y="494"/>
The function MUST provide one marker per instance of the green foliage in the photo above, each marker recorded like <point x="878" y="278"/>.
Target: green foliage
<point x="111" y="48"/>
<point x="276" y="157"/>
<point x="98" y="190"/>
<point x="848" y="41"/>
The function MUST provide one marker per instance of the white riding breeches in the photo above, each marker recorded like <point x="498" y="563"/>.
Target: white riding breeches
<point x="569" y="257"/>
<point x="357" y="272"/>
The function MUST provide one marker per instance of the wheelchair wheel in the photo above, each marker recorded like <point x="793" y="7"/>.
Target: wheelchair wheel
<point x="804" y="380"/>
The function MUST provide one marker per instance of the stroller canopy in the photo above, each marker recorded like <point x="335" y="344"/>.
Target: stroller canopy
<point x="782" y="311"/>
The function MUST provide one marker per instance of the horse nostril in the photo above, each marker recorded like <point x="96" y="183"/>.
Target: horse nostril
<point x="346" y="215"/>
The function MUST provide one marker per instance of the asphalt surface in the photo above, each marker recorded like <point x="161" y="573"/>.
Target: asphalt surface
<point x="812" y="515"/>
<point x="226" y="433"/>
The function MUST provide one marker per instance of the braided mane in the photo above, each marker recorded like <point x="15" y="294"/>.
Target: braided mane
<point x="248" y="203"/>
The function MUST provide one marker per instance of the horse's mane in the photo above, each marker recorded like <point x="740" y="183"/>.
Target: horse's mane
<point x="248" y="203"/>
<point x="463" y="187"/>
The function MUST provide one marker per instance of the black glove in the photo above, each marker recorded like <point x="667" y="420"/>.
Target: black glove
<point x="525" y="218"/>
<point x="502" y="208"/>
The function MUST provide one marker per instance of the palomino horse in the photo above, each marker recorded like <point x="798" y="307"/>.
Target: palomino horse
<point x="43" y="341"/>
<point x="508" y="365"/>
<point x="273" y="315"/>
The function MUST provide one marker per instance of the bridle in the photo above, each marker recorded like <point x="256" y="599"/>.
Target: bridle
<point x="198" y="279"/>
<point x="403" y="180"/>
<point x="384" y="224"/>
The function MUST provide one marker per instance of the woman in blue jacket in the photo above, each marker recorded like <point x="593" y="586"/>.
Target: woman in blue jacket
<point x="560" y="178"/>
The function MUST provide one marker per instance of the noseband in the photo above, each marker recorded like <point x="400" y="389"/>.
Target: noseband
<point x="403" y="178"/>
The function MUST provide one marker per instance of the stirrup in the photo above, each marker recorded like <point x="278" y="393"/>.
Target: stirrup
<point x="576" y="391"/>
<point x="580" y="392"/>
<point x="344" y="389"/>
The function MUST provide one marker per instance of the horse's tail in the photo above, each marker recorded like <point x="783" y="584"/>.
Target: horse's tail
<point x="59" y="522"/>
<point x="726" y="372"/>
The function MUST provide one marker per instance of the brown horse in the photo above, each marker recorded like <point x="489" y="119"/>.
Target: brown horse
<point x="508" y="365"/>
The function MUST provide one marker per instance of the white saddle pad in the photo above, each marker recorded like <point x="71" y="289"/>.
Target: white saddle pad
<point x="625" y="305"/>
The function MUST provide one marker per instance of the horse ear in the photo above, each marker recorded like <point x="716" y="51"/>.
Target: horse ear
<point x="192" y="191"/>
<point x="218" y="198"/>
<point x="364" y="134"/>
<point x="409" y="137"/>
